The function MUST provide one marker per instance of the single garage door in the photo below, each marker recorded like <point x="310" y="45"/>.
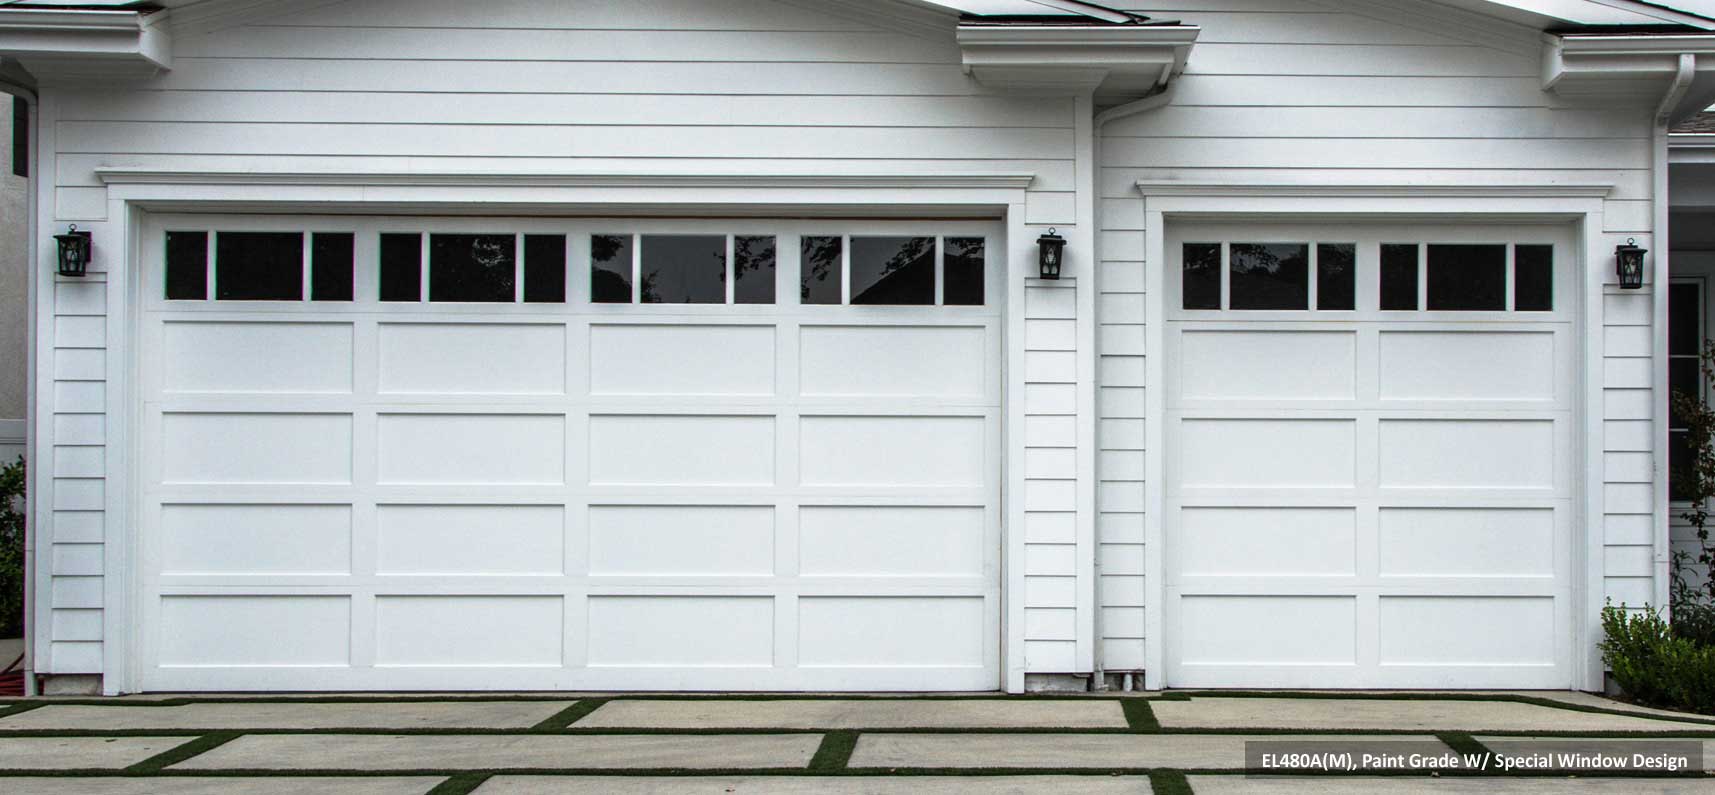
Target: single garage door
<point x="1370" y="457"/>
<point x="427" y="453"/>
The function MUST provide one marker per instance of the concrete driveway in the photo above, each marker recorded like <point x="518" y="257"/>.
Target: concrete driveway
<point x="1166" y="743"/>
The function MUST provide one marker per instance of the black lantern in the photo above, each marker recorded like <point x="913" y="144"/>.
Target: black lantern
<point x="1629" y="260"/>
<point x="74" y="252"/>
<point x="1051" y="251"/>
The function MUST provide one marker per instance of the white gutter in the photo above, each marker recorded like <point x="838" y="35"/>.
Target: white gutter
<point x="57" y="44"/>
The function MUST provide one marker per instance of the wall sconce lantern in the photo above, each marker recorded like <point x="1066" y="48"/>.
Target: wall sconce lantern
<point x="1629" y="260"/>
<point x="1051" y="250"/>
<point x="74" y="252"/>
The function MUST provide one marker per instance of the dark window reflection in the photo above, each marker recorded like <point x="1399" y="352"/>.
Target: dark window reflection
<point x="753" y="261"/>
<point x="962" y="265"/>
<point x="1467" y="277"/>
<point x="545" y="269"/>
<point x="401" y="267"/>
<point x="1533" y="278"/>
<point x="331" y="255"/>
<point x="187" y="266"/>
<point x="1679" y="458"/>
<point x="1336" y="275"/>
<point x="684" y="269"/>
<point x="610" y="269"/>
<point x="1684" y="377"/>
<point x="1200" y="285"/>
<point x="473" y="268"/>
<point x="1399" y="276"/>
<point x="819" y="270"/>
<point x="1269" y="276"/>
<point x="893" y="270"/>
<point x="259" y="266"/>
<point x="1684" y="319"/>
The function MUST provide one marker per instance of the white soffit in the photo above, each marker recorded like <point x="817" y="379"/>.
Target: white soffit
<point x="1117" y="61"/>
<point x="85" y="44"/>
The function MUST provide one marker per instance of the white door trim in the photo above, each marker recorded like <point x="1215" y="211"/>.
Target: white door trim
<point x="954" y="195"/>
<point x="1538" y="203"/>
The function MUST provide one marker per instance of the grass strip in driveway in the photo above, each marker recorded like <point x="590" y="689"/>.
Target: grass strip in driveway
<point x="461" y="784"/>
<point x="1463" y="743"/>
<point x="834" y="752"/>
<point x="570" y="715"/>
<point x="1139" y="716"/>
<point x="1169" y="782"/>
<point x="180" y="753"/>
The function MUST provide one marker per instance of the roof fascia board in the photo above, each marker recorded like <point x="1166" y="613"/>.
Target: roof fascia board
<point x="212" y="15"/>
<point x="1607" y="68"/>
<point x="1482" y="29"/>
<point x="911" y="17"/>
<point x="1075" y="57"/>
<point x="1662" y="13"/>
<point x="56" y="44"/>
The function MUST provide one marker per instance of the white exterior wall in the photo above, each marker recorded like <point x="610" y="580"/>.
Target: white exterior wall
<point x="1324" y="93"/>
<point x="535" y="87"/>
<point x="14" y="296"/>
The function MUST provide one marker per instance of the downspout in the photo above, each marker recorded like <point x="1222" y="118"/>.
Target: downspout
<point x="1676" y="91"/>
<point x="1099" y="676"/>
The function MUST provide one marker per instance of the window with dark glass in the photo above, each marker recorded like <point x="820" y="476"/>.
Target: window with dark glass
<point x="753" y="266"/>
<point x="401" y="267"/>
<point x="610" y="269"/>
<point x="545" y="269"/>
<point x="331" y="255"/>
<point x="259" y="266"/>
<point x="1399" y="276"/>
<point x="1336" y="276"/>
<point x="473" y="268"/>
<point x="20" y="136"/>
<point x="962" y="270"/>
<point x="187" y="266"/>
<point x="1684" y="374"/>
<point x="1533" y="278"/>
<point x="1200" y="276"/>
<point x="1268" y="276"/>
<point x="820" y="270"/>
<point x="684" y="269"/>
<point x="893" y="270"/>
<point x="1466" y="277"/>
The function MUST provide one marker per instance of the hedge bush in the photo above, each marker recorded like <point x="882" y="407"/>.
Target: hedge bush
<point x="12" y="551"/>
<point x="1655" y="666"/>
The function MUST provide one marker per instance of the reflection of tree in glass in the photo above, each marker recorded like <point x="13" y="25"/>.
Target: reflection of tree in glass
<point x="906" y="276"/>
<point x="1269" y="276"/>
<point x="471" y="267"/>
<point x="753" y="270"/>
<point x="820" y="279"/>
<point x="610" y="271"/>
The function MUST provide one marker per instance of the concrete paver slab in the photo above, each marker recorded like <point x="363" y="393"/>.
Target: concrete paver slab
<point x="523" y="752"/>
<point x="395" y="715"/>
<point x="1393" y="715"/>
<point x="1183" y="751"/>
<point x="1358" y="785"/>
<point x="1582" y="748"/>
<point x="800" y="785"/>
<point x="50" y="753"/>
<point x="376" y="785"/>
<point x="858" y="714"/>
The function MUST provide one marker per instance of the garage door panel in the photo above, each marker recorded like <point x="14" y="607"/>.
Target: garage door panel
<point x="486" y="630"/>
<point x="470" y="539"/>
<point x="1251" y="453"/>
<point x="255" y="448"/>
<point x="941" y="362"/>
<point x="471" y="448"/>
<point x="891" y="541"/>
<point x="891" y="631"/>
<point x="681" y="540"/>
<point x="681" y="450"/>
<point x="1267" y="630"/>
<point x="472" y="358"/>
<point x="1468" y="541"/>
<point x="897" y="450"/>
<point x="1468" y="365"/>
<point x="1468" y="630"/>
<point x="223" y="356"/>
<point x="1225" y="364"/>
<point x="677" y="360"/>
<point x="1468" y="453"/>
<point x="1217" y="541"/>
<point x="254" y="539"/>
<point x="254" y="630"/>
<point x="690" y="631"/>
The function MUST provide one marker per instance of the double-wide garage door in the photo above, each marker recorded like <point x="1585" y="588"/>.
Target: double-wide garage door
<point x="414" y="453"/>
<point x="1370" y="459"/>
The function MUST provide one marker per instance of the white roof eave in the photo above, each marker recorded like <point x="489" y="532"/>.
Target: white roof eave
<point x="1111" y="59"/>
<point x="62" y="45"/>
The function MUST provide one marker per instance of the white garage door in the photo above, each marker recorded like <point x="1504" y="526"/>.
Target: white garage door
<point x="415" y="453"/>
<point x="1370" y="456"/>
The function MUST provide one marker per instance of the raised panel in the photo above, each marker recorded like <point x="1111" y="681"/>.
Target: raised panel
<point x="469" y="630"/>
<point x="255" y="539"/>
<point x="1268" y="630"/>
<point x="897" y="451"/>
<point x="471" y="448"/>
<point x="472" y="358"/>
<point x="250" y="356"/>
<point x="1467" y="365"/>
<point x="1264" y="453"/>
<point x="681" y="631"/>
<point x="1467" y="453"/>
<point x="681" y="450"/>
<point x="1467" y="542"/>
<point x="256" y="448"/>
<point x="1267" y="541"/>
<point x="890" y="541"/>
<point x="470" y="539"/>
<point x="681" y="540"/>
<point x="1467" y="630"/>
<point x="254" y="631"/>
<point x="890" y="631"/>
<point x="681" y="360"/>
<point x="869" y="361"/>
<point x="1268" y="365"/>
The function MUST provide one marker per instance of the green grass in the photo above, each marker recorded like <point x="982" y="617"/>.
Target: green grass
<point x="180" y="753"/>
<point x="1169" y="782"/>
<point x="570" y="715"/>
<point x="460" y="784"/>
<point x="835" y="752"/>
<point x="1139" y="716"/>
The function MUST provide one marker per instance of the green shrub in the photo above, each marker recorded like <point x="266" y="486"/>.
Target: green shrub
<point x="12" y="550"/>
<point x="1653" y="664"/>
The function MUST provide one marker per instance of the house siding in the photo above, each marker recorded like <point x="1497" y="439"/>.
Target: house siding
<point x="1308" y="93"/>
<point x="531" y="87"/>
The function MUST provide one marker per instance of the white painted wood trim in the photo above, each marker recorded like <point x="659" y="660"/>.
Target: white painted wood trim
<point x="1154" y="451"/>
<point x="1373" y="191"/>
<point x="1012" y="596"/>
<point x="1587" y="661"/>
<point x="41" y="485"/>
<point x="147" y="176"/>
<point x="1083" y="237"/>
<point x="1660" y="275"/>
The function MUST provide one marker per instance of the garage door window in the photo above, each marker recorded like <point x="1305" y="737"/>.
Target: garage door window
<point x="1269" y="276"/>
<point x="258" y="266"/>
<point x="892" y="271"/>
<point x="1466" y="277"/>
<point x="682" y="269"/>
